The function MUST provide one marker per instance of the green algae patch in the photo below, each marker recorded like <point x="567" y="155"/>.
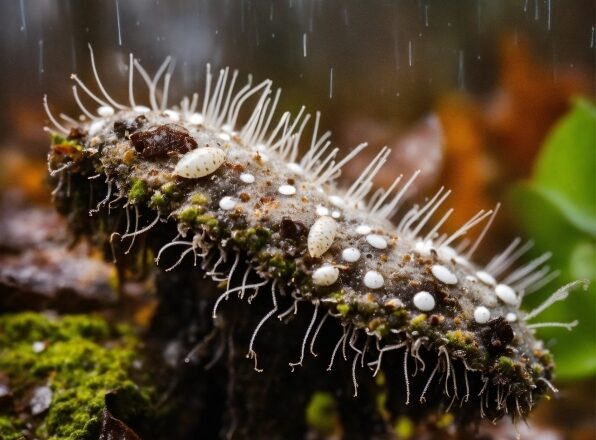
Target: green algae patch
<point x="81" y="359"/>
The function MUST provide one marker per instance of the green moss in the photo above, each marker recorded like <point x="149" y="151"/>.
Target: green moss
<point x="138" y="191"/>
<point x="168" y="188"/>
<point x="418" y="321"/>
<point x="404" y="428"/>
<point x="199" y="199"/>
<point x="252" y="239"/>
<point x="9" y="429"/>
<point x="157" y="200"/>
<point x="506" y="365"/>
<point x="462" y="340"/>
<point x="57" y="139"/>
<point x="84" y="360"/>
<point x="282" y="266"/>
<point x="207" y="220"/>
<point x="344" y="309"/>
<point x="321" y="412"/>
<point x="188" y="215"/>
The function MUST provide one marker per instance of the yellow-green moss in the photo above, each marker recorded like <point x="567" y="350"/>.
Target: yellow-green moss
<point x="157" y="200"/>
<point x="506" y="365"/>
<point x="418" y="321"/>
<point x="83" y="360"/>
<point x="199" y="199"/>
<point x="343" y="309"/>
<point x="138" y="191"/>
<point x="9" y="428"/>
<point x="321" y="412"/>
<point x="58" y="139"/>
<point x="252" y="239"/>
<point x="282" y="266"/>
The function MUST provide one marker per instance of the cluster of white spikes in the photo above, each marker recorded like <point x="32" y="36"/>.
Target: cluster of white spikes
<point x="221" y="109"/>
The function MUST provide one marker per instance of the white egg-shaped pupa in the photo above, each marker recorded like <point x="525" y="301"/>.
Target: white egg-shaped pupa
<point x="200" y="162"/>
<point x="321" y="236"/>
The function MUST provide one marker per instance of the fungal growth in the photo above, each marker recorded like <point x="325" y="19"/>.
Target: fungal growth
<point x="256" y="206"/>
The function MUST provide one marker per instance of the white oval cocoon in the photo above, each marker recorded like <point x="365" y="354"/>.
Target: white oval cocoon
<point x="424" y="301"/>
<point x="481" y="315"/>
<point x="325" y="275"/>
<point x="200" y="162"/>
<point x="321" y="236"/>
<point x="506" y="294"/>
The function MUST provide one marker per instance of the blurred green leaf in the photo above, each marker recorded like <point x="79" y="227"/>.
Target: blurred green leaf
<point x="557" y="208"/>
<point x="567" y="164"/>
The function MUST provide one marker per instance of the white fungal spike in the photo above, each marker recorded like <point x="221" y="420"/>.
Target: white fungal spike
<point x="424" y="301"/>
<point x="506" y="294"/>
<point x="200" y="162"/>
<point x="373" y="280"/>
<point x="321" y="236"/>
<point x="481" y="315"/>
<point x="561" y="294"/>
<point x="325" y="275"/>
<point x="443" y="274"/>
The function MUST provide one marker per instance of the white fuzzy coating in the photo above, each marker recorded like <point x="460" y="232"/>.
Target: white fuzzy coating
<point x="350" y="255"/>
<point x="325" y="275"/>
<point x="506" y="294"/>
<point x="227" y="203"/>
<point x="486" y="278"/>
<point x="321" y="236"/>
<point x="247" y="178"/>
<point x="287" y="190"/>
<point x="200" y="162"/>
<point x="373" y="280"/>
<point x="481" y="315"/>
<point x="376" y="241"/>
<point x="443" y="274"/>
<point x="424" y="301"/>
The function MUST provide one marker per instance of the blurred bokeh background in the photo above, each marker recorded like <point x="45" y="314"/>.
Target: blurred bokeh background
<point x="492" y="99"/>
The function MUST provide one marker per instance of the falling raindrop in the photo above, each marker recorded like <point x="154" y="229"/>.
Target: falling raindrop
<point x="23" y="21"/>
<point x="118" y="22"/>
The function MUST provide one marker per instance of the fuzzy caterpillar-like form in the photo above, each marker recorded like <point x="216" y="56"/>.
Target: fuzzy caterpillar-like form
<point x="241" y="196"/>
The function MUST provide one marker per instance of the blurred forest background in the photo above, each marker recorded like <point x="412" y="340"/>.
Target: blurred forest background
<point x="494" y="100"/>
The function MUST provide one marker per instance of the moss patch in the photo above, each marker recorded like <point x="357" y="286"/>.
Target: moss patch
<point x="321" y="413"/>
<point x="83" y="359"/>
<point x="138" y="191"/>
